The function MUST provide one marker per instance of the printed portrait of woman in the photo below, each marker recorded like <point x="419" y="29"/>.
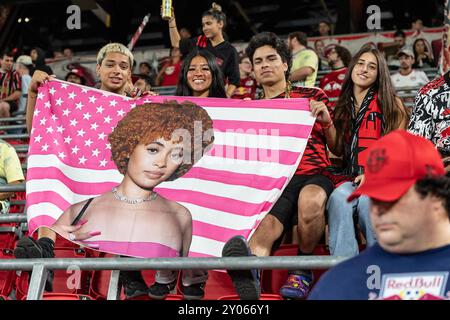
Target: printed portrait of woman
<point x="153" y="143"/>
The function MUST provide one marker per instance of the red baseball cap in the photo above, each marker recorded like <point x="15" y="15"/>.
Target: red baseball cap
<point x="395" y="163"/>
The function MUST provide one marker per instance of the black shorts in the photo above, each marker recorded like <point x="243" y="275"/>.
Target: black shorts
<point x="285" y="209"/>
<point x="13" y="106"/>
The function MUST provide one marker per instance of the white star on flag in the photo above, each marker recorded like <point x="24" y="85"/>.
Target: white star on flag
<point x="92" y="99"/>
<point x="66" y="112"/>
<point x="88" y="143"/>
<point x="87" y="116"/>
<point x="61" y="155"/>
<point x="95" y="153"/>
<point x="47" y="104"/>
<point x="84" y="90"/>
<point x="38" y="139"/>
<point x="55" y="142"/>
<point x="80" y="133"/>
<point x="43" y="121"/>
<point x="108" y="119"/>
<point x="101" y="136"/>
<point x="40" y="95"/>
<point x="59" y="101"/>
<point x="108" y="146"/>
<point x="45" y="147"/>
<point x="79" y="106"/>
<point x="72" y="95"/>
<point x="73" y="122"/>
<point x="54" y="117"/>
<point x="75" y="150"/>
<point x="60" y="129"/>
<point x="100" y="109"/>
<point x="120" y="113"/>
<point x="67" y="139"/>
<point x="112" y="103"/>
<point x="63" y="85"/>
<point x="52" y="91"/>
<point x="103" y="163"/>
<point x="36" y="112"/>
<point x="49" y="130"/>
<point x="82" y="160"/>
<point x="94" y="126"/>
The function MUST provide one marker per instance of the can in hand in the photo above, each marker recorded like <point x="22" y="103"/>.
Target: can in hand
<point x="166" y="12"/>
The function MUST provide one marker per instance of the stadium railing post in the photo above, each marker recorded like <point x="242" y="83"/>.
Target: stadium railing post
<point x="37" y="282"/>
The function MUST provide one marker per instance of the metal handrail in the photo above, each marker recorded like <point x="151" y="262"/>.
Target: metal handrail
<point x="13" y="127"/>
<point x="15" y="136"/>
<point x="13" y="217"/>
<point x="11" y="119"/>
<point x="13" y="187"/>
<point x="181" y="263"/>
<point x="39" y="267"/>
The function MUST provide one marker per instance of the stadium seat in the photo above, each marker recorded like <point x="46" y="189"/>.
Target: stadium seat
<point x="272" y="280"/>
<point x="7" y="278"/>
<point x="63" y="296"/>
<point x="61" y="277"/>
<point x="219" y="284"/>
<point x="100" y="283"/>
<point x="264" y="296"/>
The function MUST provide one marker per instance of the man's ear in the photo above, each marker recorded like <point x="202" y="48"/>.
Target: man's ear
<point x="97" y="70"/>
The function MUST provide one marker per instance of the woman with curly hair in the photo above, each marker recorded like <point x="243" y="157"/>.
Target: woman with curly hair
<point x="153" y="143"/>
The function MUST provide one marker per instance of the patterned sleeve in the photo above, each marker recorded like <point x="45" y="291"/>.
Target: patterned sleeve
<point x="421" y="122"/>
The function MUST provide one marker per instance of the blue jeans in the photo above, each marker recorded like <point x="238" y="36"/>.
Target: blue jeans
<point x="342" y="237"/>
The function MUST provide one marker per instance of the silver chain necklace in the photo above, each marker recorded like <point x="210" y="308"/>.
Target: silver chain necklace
<point x="133" y="201"/>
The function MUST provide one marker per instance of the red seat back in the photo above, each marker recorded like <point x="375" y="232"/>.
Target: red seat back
<point x="62" y="283"/>
<point x="263" y="296"/>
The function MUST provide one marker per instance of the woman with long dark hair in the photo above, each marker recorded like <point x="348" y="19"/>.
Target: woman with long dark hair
<point x="200" y="76"/>
<point x="213" y="23"/>
<point x="422" y="54"/>
<point x="367" y="109"/>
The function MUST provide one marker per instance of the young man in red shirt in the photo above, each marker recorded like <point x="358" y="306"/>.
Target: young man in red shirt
<point x="306" y="194"/>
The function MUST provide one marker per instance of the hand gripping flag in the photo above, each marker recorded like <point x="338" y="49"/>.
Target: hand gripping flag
<point x="258" y="146"/>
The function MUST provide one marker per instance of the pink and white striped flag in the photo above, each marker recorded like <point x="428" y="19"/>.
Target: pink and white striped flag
<point x="258" y="145"/>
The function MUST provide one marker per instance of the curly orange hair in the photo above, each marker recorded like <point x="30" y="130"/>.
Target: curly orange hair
<point x="149" y="122"/>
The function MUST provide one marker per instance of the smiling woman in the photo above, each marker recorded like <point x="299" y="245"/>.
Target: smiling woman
<point x="200" y="76"/>
<point x="367" y="109"/>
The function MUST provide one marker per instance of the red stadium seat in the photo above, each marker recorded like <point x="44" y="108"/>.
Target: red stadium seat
<point x="61" y="277"/>
<point x="63" y="296"/>
<point x="264" y="296"/>
<point x="100" y="283"/>
<point x="272" y="280"/>
<point x="219" y="284"/>
<point x="7" y="278"/>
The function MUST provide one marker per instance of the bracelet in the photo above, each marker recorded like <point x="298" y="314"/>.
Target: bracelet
<point x="172" y="27"/>
<point x="328" y="126"/>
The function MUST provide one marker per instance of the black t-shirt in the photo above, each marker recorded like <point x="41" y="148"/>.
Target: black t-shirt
<point x="226" y="56"/>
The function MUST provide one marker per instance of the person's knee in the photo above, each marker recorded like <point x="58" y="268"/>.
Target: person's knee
<point x="311" y="204"/>
<point x="4" y="106"/>
<point x="270" y="229"/>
